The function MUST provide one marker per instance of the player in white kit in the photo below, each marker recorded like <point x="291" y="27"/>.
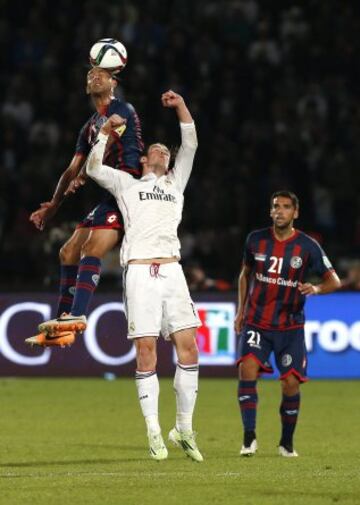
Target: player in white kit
<point x="156" y="295"/>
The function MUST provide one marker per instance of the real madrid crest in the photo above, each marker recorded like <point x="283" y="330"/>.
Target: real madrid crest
<point x="296" y="262"/>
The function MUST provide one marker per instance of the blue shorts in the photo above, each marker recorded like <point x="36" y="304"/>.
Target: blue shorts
<point x="106" y="215"/>
<point x="288" y="347"/>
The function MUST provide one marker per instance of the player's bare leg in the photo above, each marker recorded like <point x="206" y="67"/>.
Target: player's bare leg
<point x="186" y="389"/>
<point x="97" y="244"/>
<point x="248" y="398"/>
<point x="69" y="256"/>
<point x="70" y="252"/>
<point x="289" y="410"/>
<point x="147" y="384"/>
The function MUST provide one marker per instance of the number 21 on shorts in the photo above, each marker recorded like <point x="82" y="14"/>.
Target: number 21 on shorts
<point x="254" y="338"/>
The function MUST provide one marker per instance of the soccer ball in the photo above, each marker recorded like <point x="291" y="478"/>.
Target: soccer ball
<point x="109" y="54"/>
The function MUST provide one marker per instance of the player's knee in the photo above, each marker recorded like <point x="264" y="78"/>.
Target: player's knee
<point x="248" y="369"/>
<point x="145" y="355"/>
<point x="95" y="247"/>
<point x="69" y="255"/>
<point x="188" y="353"/>
<point x="91" y="248"/>
<point x="290" y="385"/>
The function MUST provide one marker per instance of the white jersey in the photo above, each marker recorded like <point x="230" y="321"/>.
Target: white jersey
<point x="151" y="206"/>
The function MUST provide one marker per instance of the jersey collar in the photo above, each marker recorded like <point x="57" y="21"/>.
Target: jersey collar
<point x="290" y="239"/>
<point x="148" y="177"/>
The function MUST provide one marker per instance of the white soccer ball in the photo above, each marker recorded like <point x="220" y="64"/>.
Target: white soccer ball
<point x="109" y="54"/>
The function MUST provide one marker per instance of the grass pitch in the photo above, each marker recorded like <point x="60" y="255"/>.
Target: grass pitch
<point x="82" y="441"/>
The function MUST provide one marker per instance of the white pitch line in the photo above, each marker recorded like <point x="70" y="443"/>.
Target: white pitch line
<point x="43" y="475"/>
<point x="92" y="474"/>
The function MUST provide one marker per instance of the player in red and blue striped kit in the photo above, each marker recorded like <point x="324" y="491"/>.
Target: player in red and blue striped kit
<point x="102" y="228"/>
<point x="270" y="318"/>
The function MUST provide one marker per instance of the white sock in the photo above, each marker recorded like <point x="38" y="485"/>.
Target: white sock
<point x="147" y="384"/>
<point x="186" y="387"/>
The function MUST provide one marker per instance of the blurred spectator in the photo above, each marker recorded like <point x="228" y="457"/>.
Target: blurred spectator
<point x="352" y="280"/>
<point x="265" y="49"/>
<point x="275" y="94"/>
<point x="198" y="281"/>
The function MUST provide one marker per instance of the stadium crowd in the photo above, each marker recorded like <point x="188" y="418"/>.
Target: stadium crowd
<point x="275" y="91"/>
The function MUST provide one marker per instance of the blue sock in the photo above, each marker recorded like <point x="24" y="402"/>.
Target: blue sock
<point x="86" y="283"/>
<point x="289" y="411"/>
<point x="248" y="399"/>
<point x="68" y="275"/>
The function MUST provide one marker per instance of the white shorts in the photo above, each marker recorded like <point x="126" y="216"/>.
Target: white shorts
<point x="157" y="299"/>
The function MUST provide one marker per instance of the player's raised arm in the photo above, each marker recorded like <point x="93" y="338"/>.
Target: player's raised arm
<point x="107" y="177"/>
<point x="185" y="156"/>
<point x="48" y="209"/>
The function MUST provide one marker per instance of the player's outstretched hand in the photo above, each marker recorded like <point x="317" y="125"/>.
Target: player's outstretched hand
<point x="41" y="216"/>
<point x="308" y="289"/>
<point x="75" y="184"/>
<point x="112" y="123"/>
<point x="171" y="99"/>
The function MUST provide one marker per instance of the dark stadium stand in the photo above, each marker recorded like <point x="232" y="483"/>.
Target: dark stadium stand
<point x="275" y="93"/>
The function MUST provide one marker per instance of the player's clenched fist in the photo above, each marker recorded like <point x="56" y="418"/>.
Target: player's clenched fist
<point x="113" y="122"/>
<point x="171" y="99"/>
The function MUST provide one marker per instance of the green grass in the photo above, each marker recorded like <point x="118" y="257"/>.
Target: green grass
<point x="82" y="441"/>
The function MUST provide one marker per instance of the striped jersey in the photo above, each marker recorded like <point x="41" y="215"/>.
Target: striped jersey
<point x="151" y="206"/>
<point x="122" y="152"/>
<point x="274" y="300"/>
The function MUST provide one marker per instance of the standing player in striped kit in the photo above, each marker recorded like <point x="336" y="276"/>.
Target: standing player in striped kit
<point x="270" y="316"/>
<point x="155" y="291"/>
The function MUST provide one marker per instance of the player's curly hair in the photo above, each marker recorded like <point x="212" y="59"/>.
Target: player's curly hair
<point x="286" y="194"/>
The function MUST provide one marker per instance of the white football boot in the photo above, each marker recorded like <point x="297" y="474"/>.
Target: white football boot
<point x="286" y="453"/>
<point x="157" y="447"/>
<point x="249" y="450"/>
<point x="186" y="440"/>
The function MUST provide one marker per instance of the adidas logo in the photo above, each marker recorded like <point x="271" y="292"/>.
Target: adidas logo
<point x="185" y="445"/>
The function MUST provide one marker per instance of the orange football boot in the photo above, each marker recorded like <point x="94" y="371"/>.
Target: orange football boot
<point x="66" y="322"/>
<point x="62" y="339"/>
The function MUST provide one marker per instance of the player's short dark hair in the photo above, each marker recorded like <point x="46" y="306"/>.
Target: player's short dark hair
<point x="286" y="194"/>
